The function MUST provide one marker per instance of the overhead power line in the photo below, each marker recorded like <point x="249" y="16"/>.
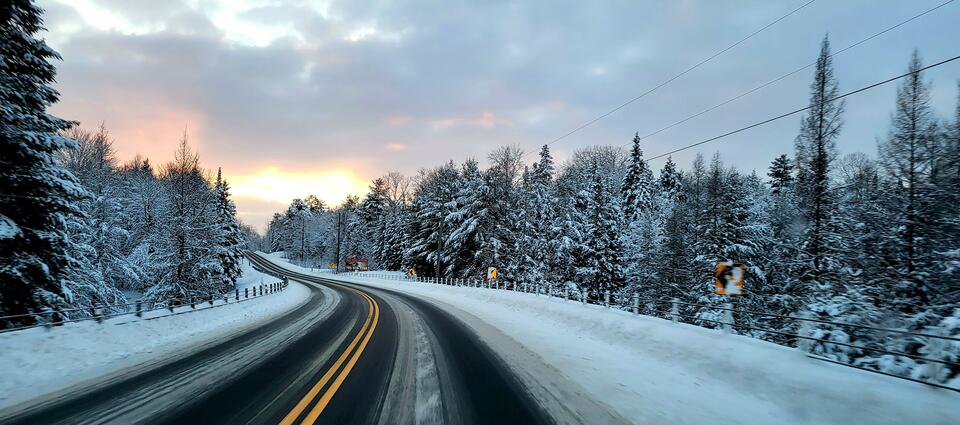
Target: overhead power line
<point x="671" y="79"/>
<point x="797" y="111"/>
<point x="791" y="73"/>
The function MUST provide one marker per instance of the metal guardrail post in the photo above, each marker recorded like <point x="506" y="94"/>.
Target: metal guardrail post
<point x="139" y="308"/>
<point x="246" y="293"/>
<point x="674" y="310"/>
<point x="636" y="304"/>
<point x="728" y="321"/>
<point x="606" y="298"/>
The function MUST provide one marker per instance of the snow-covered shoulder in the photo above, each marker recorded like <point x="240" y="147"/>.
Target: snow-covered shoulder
<point x="651" y="370"/>
<point x="39" y="361"/>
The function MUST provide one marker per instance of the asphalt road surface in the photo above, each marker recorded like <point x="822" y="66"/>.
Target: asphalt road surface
<point x="349" y="355"/>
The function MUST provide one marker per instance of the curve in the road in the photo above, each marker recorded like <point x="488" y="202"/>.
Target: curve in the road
<point x="360" y="360"/>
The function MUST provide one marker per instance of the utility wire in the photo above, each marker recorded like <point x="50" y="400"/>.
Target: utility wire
<point x="797" y="111"/>
<point x="671" y="79"/>
<point x="791" y="73"/>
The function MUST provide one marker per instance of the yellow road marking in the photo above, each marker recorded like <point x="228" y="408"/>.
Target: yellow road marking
<point x="322" y="404"/>
<point x="366" y="330"/>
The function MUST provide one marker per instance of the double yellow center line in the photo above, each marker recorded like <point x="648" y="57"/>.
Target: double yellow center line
<point x="352" y="352"/>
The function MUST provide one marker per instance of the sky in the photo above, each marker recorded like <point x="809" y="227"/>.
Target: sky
<point x="297" y="97"/>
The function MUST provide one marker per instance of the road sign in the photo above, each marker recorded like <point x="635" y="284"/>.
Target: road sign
<point x="728" y="278"/>
<point x="491" y="273"/>
<point x="411" y="272"/>
<point x="356" y="264"/>
<point x="333" y="264"/>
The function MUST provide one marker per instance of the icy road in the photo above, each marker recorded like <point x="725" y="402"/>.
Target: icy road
<point x="362" y="350"/>
<point x="350" y="355"/>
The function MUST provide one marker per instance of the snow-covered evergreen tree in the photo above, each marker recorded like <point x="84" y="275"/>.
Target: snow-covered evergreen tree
<point x="37" y="193"/>
<point x="469" y="222"/>
<point x="189" y="227"/>
<point x="908" y="156"/>
<point x="605" y="251"/>
<point x="781" y="174"/>
<point x="230" y="239"/>
<point x="816" y="151"/>
<point x="637" y="189"/>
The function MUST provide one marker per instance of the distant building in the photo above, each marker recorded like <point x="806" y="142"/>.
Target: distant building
<point x="357" y="264"/>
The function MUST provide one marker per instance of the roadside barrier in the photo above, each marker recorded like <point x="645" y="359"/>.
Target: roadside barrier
<point x="50" y="318"/>
<point x="699" y="314"/>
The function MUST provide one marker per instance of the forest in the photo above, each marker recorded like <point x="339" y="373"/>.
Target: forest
<point x="82" y="232"/>
<point x="860" y="239"/>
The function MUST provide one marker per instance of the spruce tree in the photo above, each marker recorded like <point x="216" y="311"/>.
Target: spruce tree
<point x="637" y="187"/>
<point x="230" y="238"/>
<point x="605" y="249"/>
<point x="469" y="224"/>
<point x="816" y="151"/>
<point x="781" y="173"/>
<point x="36" y="193"/>
<point x="908" y="155"/>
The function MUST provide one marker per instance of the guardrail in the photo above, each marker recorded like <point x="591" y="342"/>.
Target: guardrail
<point x="50" y="318"/>
<point x="692" y="316"/>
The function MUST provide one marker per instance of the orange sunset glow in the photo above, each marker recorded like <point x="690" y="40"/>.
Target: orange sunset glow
<point x="275" y="185"/>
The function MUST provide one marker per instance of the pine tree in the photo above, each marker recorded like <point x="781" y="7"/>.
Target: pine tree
<point x="96" y="238"/>
<point x="542" y="206"/>
<point x="373" y="214"/>
<point x="671" y="180"/>
<point x="37" y="193"/>
<point x="194" y="270"/>
<point x="637" y="188"/>
<point x="468" y="223"/>
<point x="816" y="151"/>
<point x="947" y="198"/>
<point x="781" y="173"/>
<point x="230" y="238"/>
<point x="605" y="250"/>
<point x="432" y="203"/>
<point x="823" y="247"/>
<point x="907" y="156"/>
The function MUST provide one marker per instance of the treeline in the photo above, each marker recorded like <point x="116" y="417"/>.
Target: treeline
<point x="849" y="239"/>
<point x="164" y="233"/>
<point x="78" y="229"/>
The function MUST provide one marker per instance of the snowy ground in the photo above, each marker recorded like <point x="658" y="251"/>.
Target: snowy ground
<point x="650" y="370"/>
<point x="38" y="361"/>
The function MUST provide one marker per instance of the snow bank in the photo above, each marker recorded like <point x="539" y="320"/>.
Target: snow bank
<point x="650" y="370"/>
<point x="38" y="361"/>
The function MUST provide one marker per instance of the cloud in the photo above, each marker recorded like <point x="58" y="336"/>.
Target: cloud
<point x="486" y="119"/>
<point x="398" y="120"/>
<point x="310" y="87"/>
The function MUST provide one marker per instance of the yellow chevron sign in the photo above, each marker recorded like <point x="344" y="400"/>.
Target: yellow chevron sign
<point x="728" y="277"/>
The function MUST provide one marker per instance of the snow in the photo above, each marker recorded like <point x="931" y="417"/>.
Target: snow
<point x="39" y="361"/>
<point x="650" y="370"/>
<point x="8" y="229"/>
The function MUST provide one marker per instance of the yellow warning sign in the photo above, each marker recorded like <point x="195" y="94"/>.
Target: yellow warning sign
<point x="411" y="272"/>
<point x="728" y="278"/>
<point x="491" y="273"/>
